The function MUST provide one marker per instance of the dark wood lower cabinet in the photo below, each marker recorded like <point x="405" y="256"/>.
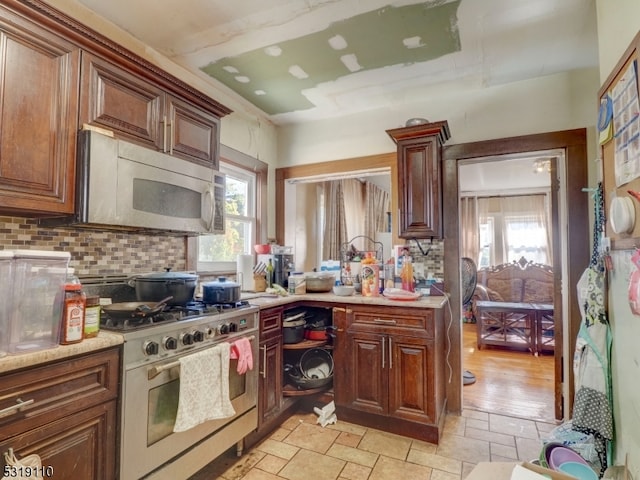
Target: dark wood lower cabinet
<point x="390" y="372"/>
<point x="82" y="446"/>
<point x="69" y="418"/>
<point x="270" y="386"/>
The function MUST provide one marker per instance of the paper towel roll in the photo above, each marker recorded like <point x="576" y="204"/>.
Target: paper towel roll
<point x="245" y="272"/>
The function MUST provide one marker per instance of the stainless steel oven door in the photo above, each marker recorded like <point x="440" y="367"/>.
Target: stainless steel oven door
<point x="149" y="411"/>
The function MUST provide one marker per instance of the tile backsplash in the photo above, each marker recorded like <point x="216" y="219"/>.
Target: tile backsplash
<point x="431" y="264"/>
<point x="96" y="252"/>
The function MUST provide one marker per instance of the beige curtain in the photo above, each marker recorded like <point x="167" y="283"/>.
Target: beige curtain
<point x="526" y="230"/>
<point x="335" y="225"/>
<point x="354" y="210"/>
<point x="470" y="232"/>
<point x="376" y="206"/>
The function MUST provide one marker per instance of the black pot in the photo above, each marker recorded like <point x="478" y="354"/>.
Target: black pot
<point x="220" y="291"/>
<point x="154" y="287"/>
<point x="293" y="329"/>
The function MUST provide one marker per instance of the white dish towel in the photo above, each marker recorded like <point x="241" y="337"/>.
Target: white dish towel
<point x="204" y="387"/>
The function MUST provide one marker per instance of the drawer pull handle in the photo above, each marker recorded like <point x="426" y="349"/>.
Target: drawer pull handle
<point x="15" y="408"/>
<point x="384" y="322"/>
<point x="383" y="350"/>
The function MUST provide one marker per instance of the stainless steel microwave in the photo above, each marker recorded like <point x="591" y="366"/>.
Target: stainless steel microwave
<point x="121" y="185"/>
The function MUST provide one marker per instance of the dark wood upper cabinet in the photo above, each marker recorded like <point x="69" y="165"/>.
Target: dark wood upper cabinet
<point x="420" y="178"/>
<point x="139" y="110"/>
<point x="38" y="118"/>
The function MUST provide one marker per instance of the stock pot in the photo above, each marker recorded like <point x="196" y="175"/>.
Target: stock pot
<point x="154" y="287"/>
<point x="220" y="291"/>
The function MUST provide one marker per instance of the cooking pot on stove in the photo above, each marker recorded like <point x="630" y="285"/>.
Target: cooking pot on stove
<point x="154" y="287"/>
<point x="220" y="291"/>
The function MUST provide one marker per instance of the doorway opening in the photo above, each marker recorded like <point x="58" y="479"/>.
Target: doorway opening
<point x="505" y="225"/>
<point x="570" y="219"/>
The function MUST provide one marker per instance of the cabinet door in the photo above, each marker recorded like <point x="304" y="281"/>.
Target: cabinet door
<point x="192" y="133"/>
<point x="411" y="379"/>
<point x="419" y="177"/>
<point x="38" y="118"/>
<point x="82" y="445"/>
<point x="270" y="386"/>
<point x="366" y="364"/>
<point x="114" y="99"/>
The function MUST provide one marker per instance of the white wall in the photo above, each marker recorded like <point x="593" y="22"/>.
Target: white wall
<point x="550" y="103"/>
<point x="618" y="23"/>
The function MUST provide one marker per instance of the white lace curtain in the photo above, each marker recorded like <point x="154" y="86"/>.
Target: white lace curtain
<point x="514" y="227"/>
<point x="352" y="208"/>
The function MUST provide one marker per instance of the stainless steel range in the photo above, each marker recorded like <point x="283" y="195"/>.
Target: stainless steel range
<point x="153" y="347"/>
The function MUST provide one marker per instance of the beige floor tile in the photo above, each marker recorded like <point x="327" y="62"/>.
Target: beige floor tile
<point x="454" y="424"/>
<point x="347" y="427"/>
<point x="466" y="469"/>
<point x="353" y="455"/>
<point x="271" y="464"/>
<point x="423" y="446"/>
<point x="394" y="446"/>
<point x="440" y="475"/>
<point x="312" y="437"/>
<point x="256" y="474"/>
<point x="279" y="449"/>
<point x="292" y="422"/>
<point x="348" y="439"/>
<point x="353" y="471"/>
<point x="392" y="469"/>
<point x="528" y="449"/>
<point x="465" y="449"/>
<point x="229" y="467"/>
<point x="503" y="451"/>
<point x="306" y="465"/>
<point x="513" y="426"/>
<point x="477" y="424"/>
<point x="498" y="458"/>
<point x="475" y="414"/>
<point x="279" y="434"/>
<point x="492" y="437"/>
<point x="450" y="465"/>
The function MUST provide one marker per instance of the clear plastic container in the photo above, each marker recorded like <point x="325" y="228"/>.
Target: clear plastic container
<point x="38" y="293"/>
<point x="6" y="294"/>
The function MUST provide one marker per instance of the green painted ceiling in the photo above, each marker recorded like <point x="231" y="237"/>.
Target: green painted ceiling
<point x="274" y="78"/>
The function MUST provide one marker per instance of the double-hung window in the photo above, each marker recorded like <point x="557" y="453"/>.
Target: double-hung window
<point x="218" y="253"/>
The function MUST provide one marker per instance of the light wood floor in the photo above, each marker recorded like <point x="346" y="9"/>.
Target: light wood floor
<point x="508" y="382"/>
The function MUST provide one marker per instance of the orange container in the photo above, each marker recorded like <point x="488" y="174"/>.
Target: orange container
<point x="370" y="280"/>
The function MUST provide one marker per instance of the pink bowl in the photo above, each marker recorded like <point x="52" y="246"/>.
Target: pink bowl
<point x="560" y="455"/>
<point x="262" y="249"/>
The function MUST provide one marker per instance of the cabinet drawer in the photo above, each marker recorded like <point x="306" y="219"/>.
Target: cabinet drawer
<point x="56" y="390"/>
<point x="392" y="317"/>
<point x="271" y="322"/>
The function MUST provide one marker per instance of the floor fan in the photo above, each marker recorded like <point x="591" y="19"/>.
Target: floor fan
<point x="469" y="278"/>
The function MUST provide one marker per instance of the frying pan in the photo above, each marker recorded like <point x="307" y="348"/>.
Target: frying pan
<point x="134" y="309"/>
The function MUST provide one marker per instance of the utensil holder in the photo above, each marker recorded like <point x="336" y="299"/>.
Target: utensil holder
<point x="259" y="283"/>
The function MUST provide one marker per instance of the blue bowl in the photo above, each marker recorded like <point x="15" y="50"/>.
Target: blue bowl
<point x="578" y="470"/>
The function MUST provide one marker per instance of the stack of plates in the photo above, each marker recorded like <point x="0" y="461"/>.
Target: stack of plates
<point x="561" y="458"/>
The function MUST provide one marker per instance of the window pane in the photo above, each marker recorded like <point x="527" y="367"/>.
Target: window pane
<point x="225" y="248"/>
<point x="237" y="196"/>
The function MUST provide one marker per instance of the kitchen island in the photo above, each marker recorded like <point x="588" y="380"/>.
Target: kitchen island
<point x="389" y="361"/>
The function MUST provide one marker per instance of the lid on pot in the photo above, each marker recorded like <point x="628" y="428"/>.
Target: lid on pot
<point x="167" y="275"/>
<point x="221" y="282"/>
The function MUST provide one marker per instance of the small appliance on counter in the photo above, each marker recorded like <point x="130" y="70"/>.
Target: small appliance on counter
<point x="282" y="264"/>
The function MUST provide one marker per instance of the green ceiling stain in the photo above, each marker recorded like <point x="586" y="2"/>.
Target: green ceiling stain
<point x="376" y="38"/>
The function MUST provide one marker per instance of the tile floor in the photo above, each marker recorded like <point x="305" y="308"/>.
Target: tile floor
<point x="302" y="450"/>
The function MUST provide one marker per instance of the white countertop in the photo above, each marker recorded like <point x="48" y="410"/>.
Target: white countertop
<point x="267" y="301"/>
<point x="88" y="345"/>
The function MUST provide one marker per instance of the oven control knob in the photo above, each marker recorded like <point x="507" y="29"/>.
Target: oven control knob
<point x="150" y="348"/>
<point x="198" y="336"/>
<point x="186" y="338"/>
<point x="233" y="327"/>
<point x="210" y="332"/>
<point x="224" y="328"/>
<point x="170" y="343"/>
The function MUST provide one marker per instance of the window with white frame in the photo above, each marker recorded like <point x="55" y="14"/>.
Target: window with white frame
<point x="218" y="253"/>
<point x="486" y="255"/>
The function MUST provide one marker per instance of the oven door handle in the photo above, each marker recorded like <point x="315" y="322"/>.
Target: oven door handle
<point x="153" y="372"/>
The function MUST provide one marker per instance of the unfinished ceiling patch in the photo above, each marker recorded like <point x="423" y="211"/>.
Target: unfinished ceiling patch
<point x="388" y="36"/>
